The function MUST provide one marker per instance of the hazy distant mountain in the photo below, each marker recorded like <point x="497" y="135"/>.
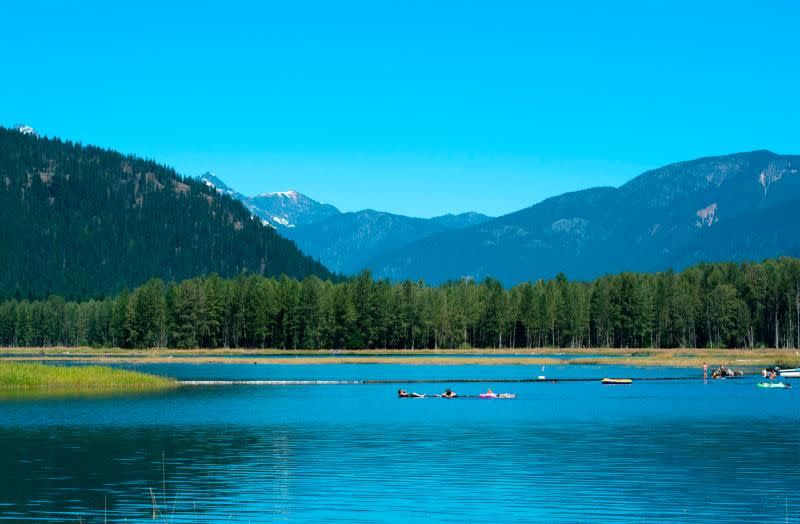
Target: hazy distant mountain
<point x="734" y="207"/>
<point x="82" y="221"/>
<point x="346" y="242"/>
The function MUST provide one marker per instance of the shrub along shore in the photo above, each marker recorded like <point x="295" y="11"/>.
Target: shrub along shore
<point x="26" y="375"/>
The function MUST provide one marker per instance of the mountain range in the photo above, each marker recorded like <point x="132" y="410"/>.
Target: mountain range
<point x="348" y="242"/>
<point x="343" y="242"/>
<point x="734" y="207"/>
<point x="728" y="208"/>
<point x="84" y="221"/>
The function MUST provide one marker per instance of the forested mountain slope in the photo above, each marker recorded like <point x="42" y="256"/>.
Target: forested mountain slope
<point x="82" y="221"/>
<point x="727" y="208"/>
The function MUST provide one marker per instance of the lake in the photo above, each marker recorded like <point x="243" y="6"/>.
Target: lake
<point x="679" y="450"/>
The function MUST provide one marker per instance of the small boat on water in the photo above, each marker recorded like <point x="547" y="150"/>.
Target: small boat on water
<point x="790" y="373"/>
<point x="616" y="381"/>
<point x="775" y="385"/>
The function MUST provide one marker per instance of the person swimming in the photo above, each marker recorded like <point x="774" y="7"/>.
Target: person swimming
<point x="491" y="394"/>
<point x="402" y="393"/>
<point x="449" y="393"/>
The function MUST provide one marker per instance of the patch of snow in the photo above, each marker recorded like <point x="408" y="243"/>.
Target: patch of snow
<point x="26" y="130"/>
<point x="208" y="179"/>
<point x="210" y="184"/>
<point x="291" y="194"/>
<point x="283" y="221"/>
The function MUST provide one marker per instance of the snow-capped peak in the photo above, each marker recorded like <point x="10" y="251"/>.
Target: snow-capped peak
<point x="292" y="194"/>
<point x="26" y="130"/>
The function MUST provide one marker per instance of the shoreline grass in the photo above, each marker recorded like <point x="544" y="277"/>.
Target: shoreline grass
<point x="37" y="376"/>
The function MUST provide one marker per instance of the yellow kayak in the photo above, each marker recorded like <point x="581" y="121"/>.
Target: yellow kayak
<point x="616" y="381"/>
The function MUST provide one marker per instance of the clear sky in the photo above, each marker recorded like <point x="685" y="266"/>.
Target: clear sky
<point x="416" y="107"/>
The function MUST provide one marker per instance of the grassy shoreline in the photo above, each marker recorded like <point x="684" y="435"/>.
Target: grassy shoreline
<point x="38" y="377"/>
<point x="539" y="356"/>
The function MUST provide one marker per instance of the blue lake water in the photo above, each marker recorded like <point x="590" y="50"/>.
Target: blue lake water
<point x="681" y="450"/>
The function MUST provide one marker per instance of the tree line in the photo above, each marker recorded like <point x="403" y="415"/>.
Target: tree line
<point x="709" y="305"/>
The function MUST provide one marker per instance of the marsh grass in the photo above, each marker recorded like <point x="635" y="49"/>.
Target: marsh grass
<point x="34" y="376"/>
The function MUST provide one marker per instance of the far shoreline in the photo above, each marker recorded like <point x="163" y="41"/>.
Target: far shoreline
<point x="506" y="356"/>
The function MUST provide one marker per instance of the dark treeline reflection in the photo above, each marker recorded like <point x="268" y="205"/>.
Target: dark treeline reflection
<point x="70" y="473"/>
<point x="710" y="305"/>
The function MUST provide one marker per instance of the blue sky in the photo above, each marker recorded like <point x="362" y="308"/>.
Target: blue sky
<point x="419" y="108"/>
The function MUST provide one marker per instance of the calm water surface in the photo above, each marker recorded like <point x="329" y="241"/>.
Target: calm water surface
<point x="680" y="451"/>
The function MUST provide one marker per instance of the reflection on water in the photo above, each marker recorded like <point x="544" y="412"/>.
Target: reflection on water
<point x="683" y="451"/>
<point x="43" y="393"/>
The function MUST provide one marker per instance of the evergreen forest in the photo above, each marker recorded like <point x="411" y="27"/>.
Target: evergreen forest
<point x="710" y="305"/>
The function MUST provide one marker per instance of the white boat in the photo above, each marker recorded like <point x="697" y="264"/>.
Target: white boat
<point x="790" y="373"/>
